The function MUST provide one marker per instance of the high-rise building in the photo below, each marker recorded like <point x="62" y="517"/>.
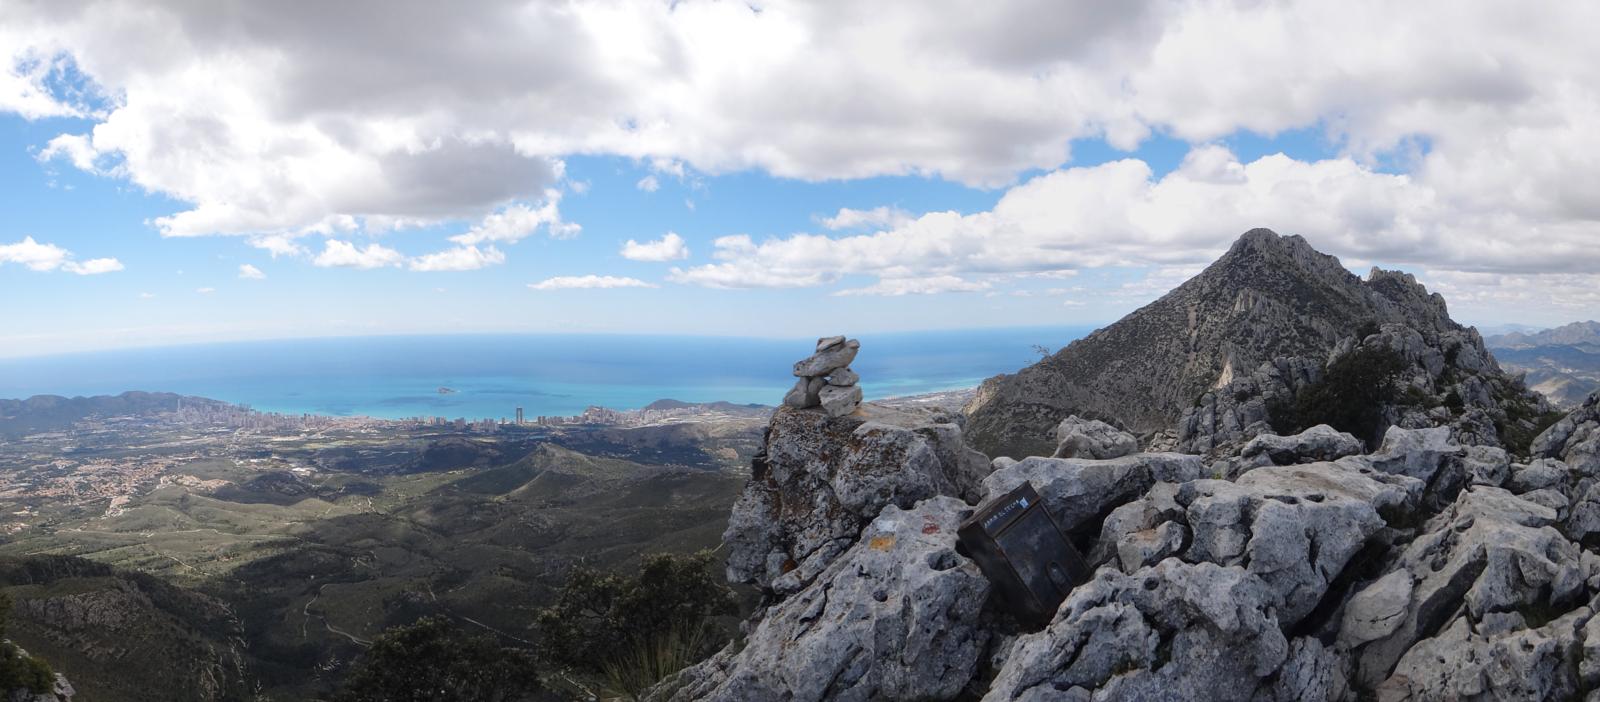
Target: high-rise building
<point x="519" y="415"/>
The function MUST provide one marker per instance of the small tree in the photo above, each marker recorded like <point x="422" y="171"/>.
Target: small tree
<point x="1351" y="396"/>
<point x="433" y="660"/>
<point x="634" y="629"/>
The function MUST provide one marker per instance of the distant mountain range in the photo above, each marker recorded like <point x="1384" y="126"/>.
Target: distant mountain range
<point x="1561" y="363"/>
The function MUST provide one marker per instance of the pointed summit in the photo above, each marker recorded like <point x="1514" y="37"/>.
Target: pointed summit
<point x="1269" y="296"/>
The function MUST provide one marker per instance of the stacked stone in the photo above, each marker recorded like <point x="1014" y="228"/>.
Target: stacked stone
<point x="826" y="380"/>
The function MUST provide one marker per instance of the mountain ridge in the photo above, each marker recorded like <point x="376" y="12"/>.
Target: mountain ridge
<point x="1270" y="296"/>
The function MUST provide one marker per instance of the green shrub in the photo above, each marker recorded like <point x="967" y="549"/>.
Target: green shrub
<point x="435" y="660"/>
<point x="1453" y="400"/>
<point x="633" y="671"/>
<point x="1351" y="395"/>
<point x="635" y="629"/>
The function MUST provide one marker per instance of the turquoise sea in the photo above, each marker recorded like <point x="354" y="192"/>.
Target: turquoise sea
<point x="551" y="374"/>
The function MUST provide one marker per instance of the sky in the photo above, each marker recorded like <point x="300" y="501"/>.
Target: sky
<point x="176" y="172"/>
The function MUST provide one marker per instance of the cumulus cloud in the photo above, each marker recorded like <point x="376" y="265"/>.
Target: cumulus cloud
<point x="261" y="124"/>
<point x="249" y="272"/>
<point x="1121" y="214"/>
<point x="877" y="217"/>
<point x="519" y="221"/>
<point x="460" y="258"/>
<point x="670" y="247"/>
<point x="588" y="281"/>
<point x="648" y="184"/>
<point x="343" y="254"/>
<point x="40" y="257"/>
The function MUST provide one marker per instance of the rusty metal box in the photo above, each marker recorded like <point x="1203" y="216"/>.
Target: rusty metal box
<point x="1019" y="547"/>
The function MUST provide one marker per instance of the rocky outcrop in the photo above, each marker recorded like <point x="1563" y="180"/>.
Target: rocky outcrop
<point x="894" y="618"/>
<point x="1269" y="297"/>
<point x="1174" y="630"/>
<point x="1575" y="439"/>
<point x="823" y="478"/>
<point x="1092" y="438"/>
<point x="1446" y="378"/>
<point x="1297" y="568"/>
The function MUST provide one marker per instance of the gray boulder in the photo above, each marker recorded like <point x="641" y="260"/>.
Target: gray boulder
<point x="1319" y="443"/>
<point x="827" y="360"/>
<point x="837" y="401"/>
<point x="844" y="377"/>
<point x="1174" y="630"/>
<point x="1293" y="527"/>
<point x="1490" y="552"/>
<point x="805" y="393"/>
<point x="1460" y="664"/>
<point x="1538" y="475"/>
<point x="1575" y="439"/>
<point x="1092" y="438"/>
<point x="895" y="618"/>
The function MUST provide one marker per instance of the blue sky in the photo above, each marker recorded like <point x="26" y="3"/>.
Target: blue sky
<point x="156" y="298"/>
<point x="991" y="181"/>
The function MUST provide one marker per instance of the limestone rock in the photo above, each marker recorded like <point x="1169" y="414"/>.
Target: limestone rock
<point x="1538" y="475"/>
<point x="844" y="377"/>
<point x="1575" y="439"/>
<point x="1319" y="443"/>
<point x="1295" y="527"/>
<point x="1092" y="438"/>
<point x="828" y="359"/>
<point x="1462" y="665"/>
<point x="894" y="618"/>
<point x="827" y="477"/>
<point x="1376" y="611"/>
<point x="1174" y="630"/>
<point x="1489" y="552"/>
<point x="838" y="402"/>
<point x="828" y="342"/>
<point x="805" y="393"/>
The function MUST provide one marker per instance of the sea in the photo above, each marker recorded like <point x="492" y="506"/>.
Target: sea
<point x="490" y="375"/>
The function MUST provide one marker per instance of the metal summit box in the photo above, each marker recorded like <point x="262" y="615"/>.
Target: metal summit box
<point x="1018" y="546"/>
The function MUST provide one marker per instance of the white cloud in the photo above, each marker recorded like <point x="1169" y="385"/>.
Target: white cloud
<point x="93" y="266"/>
<point x="877" y="217"/>
<point x="670" y="247"/>
<point x="261" y="124"/>
<point x="278" y="245"/>
<point x="147" y="296"/>
<point x="917" y="286"/>
<point x="461" y="258"/>
<point x="336" y="253"/>
<point x="49" y="257"/>
<point x="519" y="221"/>
<point x="1120" y="214"/>
<point x="588" y="281"/>
<point x="648" y="184"/>
<point x="249" y="272"/>
<point x="205" y="291"/>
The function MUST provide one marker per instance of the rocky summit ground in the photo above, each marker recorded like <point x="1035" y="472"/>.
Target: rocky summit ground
<point x="1298" y="568"/>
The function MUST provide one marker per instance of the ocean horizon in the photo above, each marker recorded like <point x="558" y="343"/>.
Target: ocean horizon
<point x="490" y="375"/>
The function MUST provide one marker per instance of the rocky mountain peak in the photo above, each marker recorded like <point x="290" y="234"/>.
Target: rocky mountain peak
<point x="1269" y="297"/>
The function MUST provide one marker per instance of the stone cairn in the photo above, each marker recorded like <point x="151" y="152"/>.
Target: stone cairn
<point x="826" y="380"/>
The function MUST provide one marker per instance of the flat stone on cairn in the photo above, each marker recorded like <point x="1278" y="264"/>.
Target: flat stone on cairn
<point x="825" y="379"/>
